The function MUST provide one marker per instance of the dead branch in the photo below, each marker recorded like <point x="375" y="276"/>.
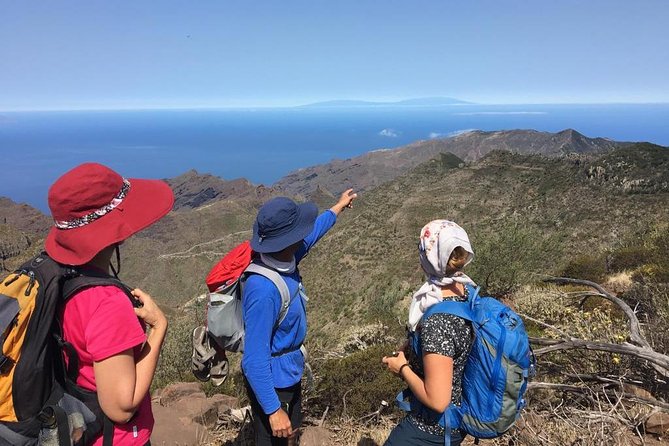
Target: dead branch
<point x="584" y="390"/>
<point x="544" y="324"/>
<point x="647" y="354"/>
<point x="325" y="413"/>
<point x="639" y="347"/>
<point x="635" y="328"/>
<point x="544" y="341"/>
<point x="343" y="399"/>
<point x="374" y="415"/>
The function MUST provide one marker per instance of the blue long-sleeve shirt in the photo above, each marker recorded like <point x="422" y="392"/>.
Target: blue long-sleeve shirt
<point x="261" y="302"/>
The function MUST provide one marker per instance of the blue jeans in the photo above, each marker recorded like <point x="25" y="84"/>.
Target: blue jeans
<point x="407" y="434"/>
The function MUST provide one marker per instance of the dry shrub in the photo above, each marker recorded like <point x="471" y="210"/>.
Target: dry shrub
<point x="567" y="426"/>
<point x="352" y="433"/>
<point x="361" y="338"/>
<point x="593" y="319"/>
<point x="355" y="385"/>
<point x="652" y="304"/>
<point x="565" y="309"/>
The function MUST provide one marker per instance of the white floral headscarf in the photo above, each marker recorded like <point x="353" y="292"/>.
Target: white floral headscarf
<point x="438" y="239"/>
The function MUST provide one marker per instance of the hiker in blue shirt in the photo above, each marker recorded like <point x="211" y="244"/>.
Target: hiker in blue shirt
<point x="273" y="361"/>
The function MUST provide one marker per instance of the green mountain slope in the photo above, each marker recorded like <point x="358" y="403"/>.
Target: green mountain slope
<point x="526" y="215"/>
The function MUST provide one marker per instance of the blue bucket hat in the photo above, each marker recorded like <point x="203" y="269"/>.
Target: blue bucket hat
<point x="280" y="223"/>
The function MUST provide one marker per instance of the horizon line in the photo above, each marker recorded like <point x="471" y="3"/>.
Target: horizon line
<point x="375" y="104"/>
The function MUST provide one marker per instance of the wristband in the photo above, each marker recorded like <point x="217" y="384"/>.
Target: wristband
<point x="406" y="364"/>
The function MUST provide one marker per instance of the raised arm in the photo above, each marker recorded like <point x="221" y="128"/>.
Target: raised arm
<point x="325" y="221"/>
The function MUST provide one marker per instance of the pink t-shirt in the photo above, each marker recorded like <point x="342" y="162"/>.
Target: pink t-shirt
<point x="100" y="322"/>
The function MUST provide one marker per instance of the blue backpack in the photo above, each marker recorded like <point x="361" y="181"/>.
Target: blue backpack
<point x="496" y="372"/>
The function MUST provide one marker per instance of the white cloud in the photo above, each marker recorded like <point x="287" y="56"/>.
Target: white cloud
<point x="390" y="133"/>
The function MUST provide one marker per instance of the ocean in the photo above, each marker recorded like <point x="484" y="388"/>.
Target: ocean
<point x="265" y="144"/>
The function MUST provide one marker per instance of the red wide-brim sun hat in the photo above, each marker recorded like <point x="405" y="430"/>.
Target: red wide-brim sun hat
<point x="94" y="207"/>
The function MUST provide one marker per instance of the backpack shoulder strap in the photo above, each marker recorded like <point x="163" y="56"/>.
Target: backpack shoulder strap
<point x="459" y="309"/>
<point x="76" y="281"/>
<point x="81" y="279"/>
<point x="277" y="280"/>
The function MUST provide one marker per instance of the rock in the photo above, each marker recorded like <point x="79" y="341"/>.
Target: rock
<point x="197" y="408"/>
<point x="169" y="429"/>
<point x="658" y="423"/>
<point x="315" y="436"/>
<point x="638" y="391"/>
<point x="176" y="391"/>
<point x="224" y="403"/>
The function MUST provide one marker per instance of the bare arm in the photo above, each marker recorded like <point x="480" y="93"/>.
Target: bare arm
<point x="122" y="383"/>
<point x="435" y="390"/>
<point x="345" y="201"/>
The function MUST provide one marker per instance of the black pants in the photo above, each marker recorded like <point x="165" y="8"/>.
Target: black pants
<point x="291" y="402"/>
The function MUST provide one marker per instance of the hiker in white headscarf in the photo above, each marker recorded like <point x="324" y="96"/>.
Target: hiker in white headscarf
<point x="434" y="373"/>
<point x="444" y="249"/>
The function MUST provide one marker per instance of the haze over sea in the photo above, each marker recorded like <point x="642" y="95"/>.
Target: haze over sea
<point x="265" y="144"/>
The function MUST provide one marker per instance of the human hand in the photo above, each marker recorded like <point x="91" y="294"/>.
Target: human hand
<point x="345" y="201"/>
<point x="149" y="312"/>
<point x="280" y="424"/>
<point x="395" y="362"/>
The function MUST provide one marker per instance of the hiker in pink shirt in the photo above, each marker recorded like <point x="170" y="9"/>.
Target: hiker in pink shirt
<point x="95" y="210"/>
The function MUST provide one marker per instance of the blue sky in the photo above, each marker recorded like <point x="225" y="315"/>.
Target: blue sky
<point x="179" y="54"/>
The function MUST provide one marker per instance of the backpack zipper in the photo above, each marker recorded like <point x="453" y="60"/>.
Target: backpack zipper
<point x="17" y="274"/>
<point x="31" y="283"/>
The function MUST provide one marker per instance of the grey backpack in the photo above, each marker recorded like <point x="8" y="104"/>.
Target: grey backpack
<point x="225" y="324"/>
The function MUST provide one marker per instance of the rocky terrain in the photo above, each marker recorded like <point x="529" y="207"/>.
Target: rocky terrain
<point x="193" y="189"/>
<point x="374" y="168"/>
<point x="22" y="229"/>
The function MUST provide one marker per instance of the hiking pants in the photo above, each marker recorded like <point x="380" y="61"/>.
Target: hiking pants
<point x="291" y="402"/>
<point x="407" y="434"/>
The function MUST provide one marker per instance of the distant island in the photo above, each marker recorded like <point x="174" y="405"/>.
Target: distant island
<point x="417" y="102"/>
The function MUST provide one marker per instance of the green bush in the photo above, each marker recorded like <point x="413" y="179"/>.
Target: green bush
<point x="645" y="254"/>
<point x="628" y="257"/>
<point x="174" y="364"/>
<point x="513" y="255"/>
<point x="587" y="267"/>
<point x="360" y="378"/>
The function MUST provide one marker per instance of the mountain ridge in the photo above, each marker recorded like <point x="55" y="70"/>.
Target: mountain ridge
<point x="374" y="168"/>
<point x="193" y="189"/>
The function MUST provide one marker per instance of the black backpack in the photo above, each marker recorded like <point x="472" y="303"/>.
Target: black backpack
<point x="39" y="398"/>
